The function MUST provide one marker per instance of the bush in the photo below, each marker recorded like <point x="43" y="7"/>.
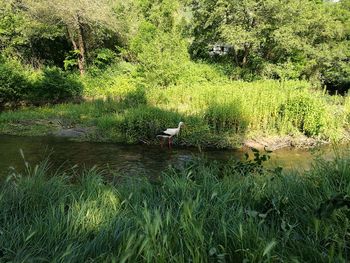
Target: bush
<point x="162" y="56"/>
<point x="14" y="83"/>
<point x="49" y="85"/>
<point x="115" y="81"/>
<point x="284" y="71"/>
<point x="104" y="57"/>
<point x="200" y="72"/>
<point x="337" y="77"/>
<point x="56" y="86"/>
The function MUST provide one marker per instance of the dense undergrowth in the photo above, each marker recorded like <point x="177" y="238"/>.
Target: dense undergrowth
<point x="142" y="66"/>
<point x="205" y="212"/>
<point x="218" y="112"/>
<point x="21" y="84"/>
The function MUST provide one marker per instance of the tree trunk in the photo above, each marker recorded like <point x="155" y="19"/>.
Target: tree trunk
<point x="80" y="47"/>
<point x="235" y="55"/>
<point x="81" y="58"/>
<point x="78" y="44"/>
<point x="71" y="36"/>
<point x="245" y="56"/>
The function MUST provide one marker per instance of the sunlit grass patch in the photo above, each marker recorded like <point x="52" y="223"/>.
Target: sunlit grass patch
<point x="216" y="113"/>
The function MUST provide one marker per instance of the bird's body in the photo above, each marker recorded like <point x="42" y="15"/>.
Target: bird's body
<point x="169" y="133"/>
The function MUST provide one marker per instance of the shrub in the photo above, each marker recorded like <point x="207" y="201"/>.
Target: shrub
<point x="56" y="86"/>
<point x="135" y="98"/>
<point x="337" y="77"/>
<point x="162" y="56"/>
<point x="14" y="83"/>
<point x="104" y="57"/>
<point x="114" y="81"/>
<point x="284" y="71"/>
<point x="199" y="72"/>
<point x="71" y="60"/>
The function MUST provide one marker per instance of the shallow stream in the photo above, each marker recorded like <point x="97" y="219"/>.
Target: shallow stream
<point x="132" y="160"/>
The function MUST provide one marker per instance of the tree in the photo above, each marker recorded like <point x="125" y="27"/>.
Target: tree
<point x="79" y="19"/>
<point x="336" y="73"/>
<point x="164" y="14"/>
<point x="161" y="56"/>
<point x="269" y="32"/>
<point x="23" y="37"/>
<point x="159" y="47"/>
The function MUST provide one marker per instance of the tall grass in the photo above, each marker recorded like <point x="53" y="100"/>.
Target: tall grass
<point x="347" y="108"/>
<point x="205" y="212"/>
<point x="219" y="114"/>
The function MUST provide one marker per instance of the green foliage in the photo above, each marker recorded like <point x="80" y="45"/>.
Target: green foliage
<point x="336" y="74"/>
<point x="306" y="113"/>
<point x="57" y="86"/>
<point x="162" y="56"/>
<point x="226" y="117"/>
<point x="29" y="39"/>
<point x="217" y="114"/>
<point x="283" y="71"/>
<point x="19" y="84"/>
<point x="347" y="108"/>
<point x="200" y="72"/>
<point x="134" y="99"/>
<point x="203" y="212"/>
<point x="114" y="81"/>
<point x="71" y="60"/>
<point x="130" y="49"/>
<point x="11" y="28"/>
<point x="104" y="57"/>
<point x="143" y="123"/>
<point x="164" y="14"/>
<point x="14" y="83"/>
<point x="337" y="77"/>
<point x="275" y="39"/>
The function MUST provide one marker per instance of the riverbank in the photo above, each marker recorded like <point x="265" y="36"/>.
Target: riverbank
<point x="203" y="212"/>
<point x="82" y="133"/>
<point x="230" y="114"/>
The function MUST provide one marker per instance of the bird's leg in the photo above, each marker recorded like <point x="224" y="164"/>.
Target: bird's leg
<point x="161" y="142"/>
<point x="169" y="142"/>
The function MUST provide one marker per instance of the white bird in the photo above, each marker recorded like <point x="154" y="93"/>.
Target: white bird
<point x="169" y="133"/>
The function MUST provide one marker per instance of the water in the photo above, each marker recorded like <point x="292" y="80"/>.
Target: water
<point x="132" y="160"/>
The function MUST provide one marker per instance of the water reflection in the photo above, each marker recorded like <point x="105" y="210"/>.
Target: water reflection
<point x="131" y="160"/>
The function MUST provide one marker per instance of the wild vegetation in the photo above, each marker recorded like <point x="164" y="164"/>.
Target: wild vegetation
<point x="138" y="66"/>
<point x="235" y="111"/>
<point x="205" y="212"/>
<point x="123" y="70"/>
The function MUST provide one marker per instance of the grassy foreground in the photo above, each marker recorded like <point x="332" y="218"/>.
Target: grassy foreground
<point x="216" y="113"/>
<point x="205" y="212"/>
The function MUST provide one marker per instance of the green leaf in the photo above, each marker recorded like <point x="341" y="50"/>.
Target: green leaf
<point x="269" y="247"/>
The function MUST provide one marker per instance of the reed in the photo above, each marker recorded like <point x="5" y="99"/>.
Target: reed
<point x="219" y="114"/>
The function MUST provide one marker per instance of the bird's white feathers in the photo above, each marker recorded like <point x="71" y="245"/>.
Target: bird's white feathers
<point x="173" y="131"/>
